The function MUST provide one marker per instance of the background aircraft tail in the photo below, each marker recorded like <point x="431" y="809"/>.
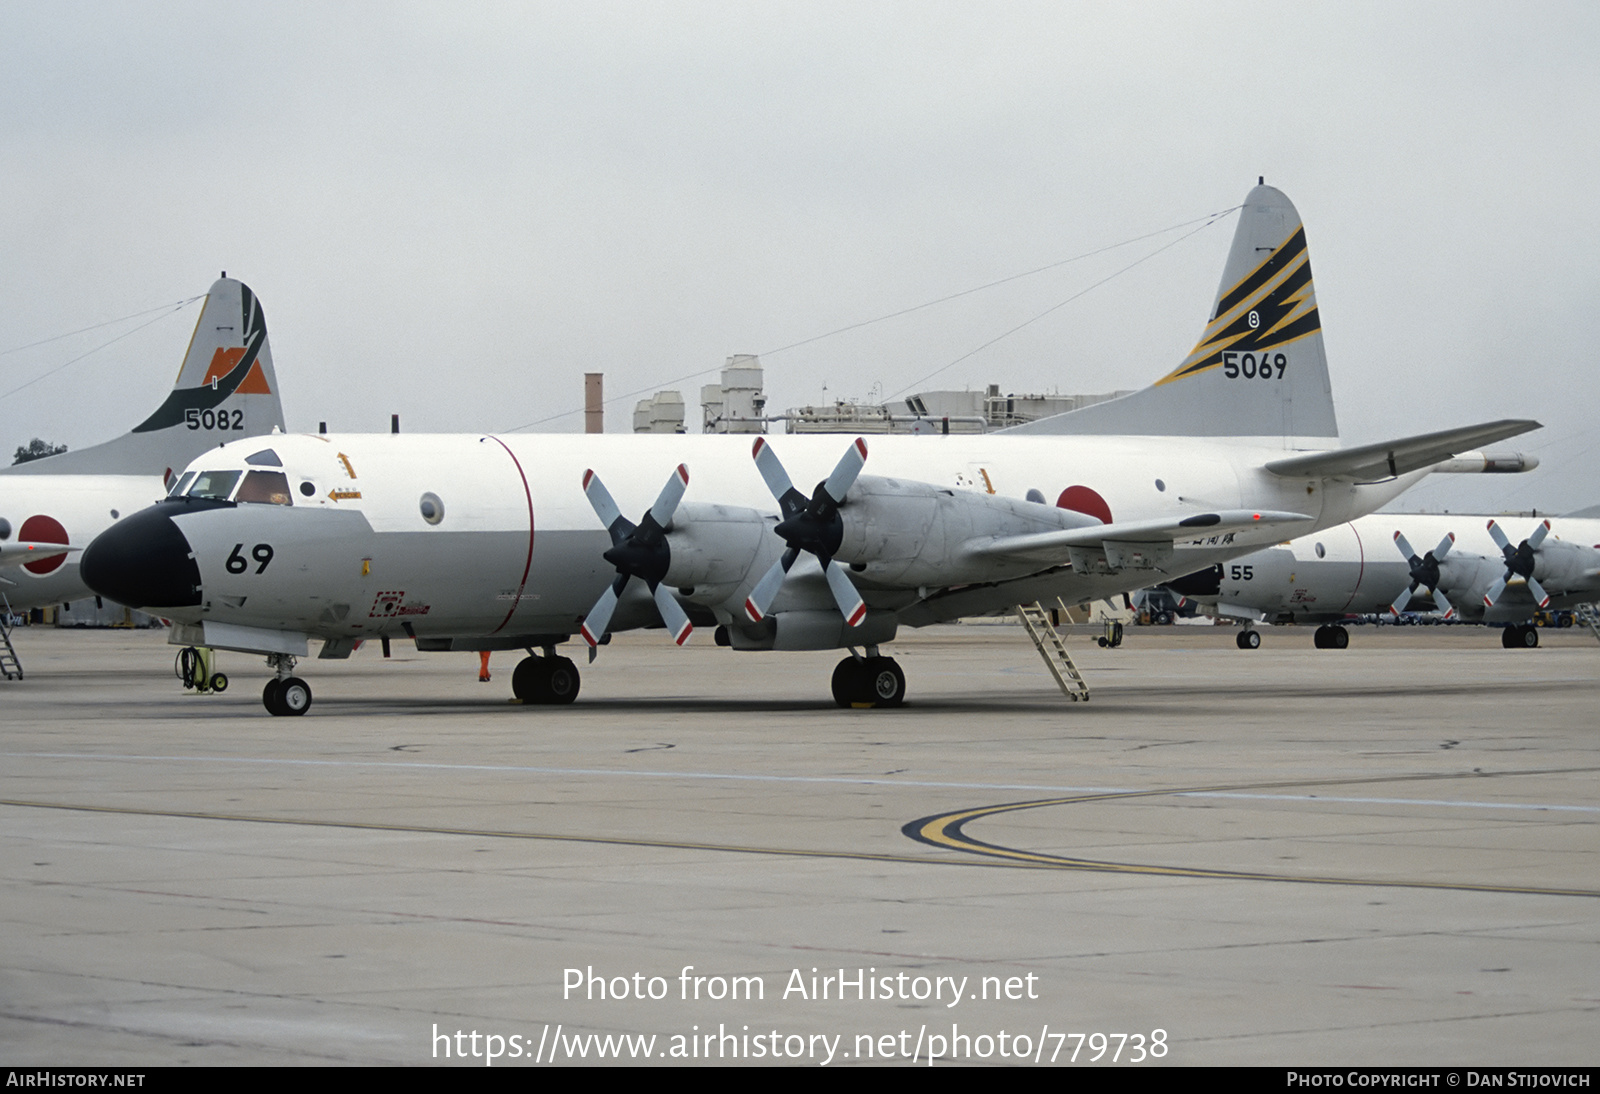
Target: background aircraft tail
<point x="226" y="389"/>
<point x="1259" y="369"/>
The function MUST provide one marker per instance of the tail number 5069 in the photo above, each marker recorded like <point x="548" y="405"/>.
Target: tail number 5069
<point x="1250" y="366"/>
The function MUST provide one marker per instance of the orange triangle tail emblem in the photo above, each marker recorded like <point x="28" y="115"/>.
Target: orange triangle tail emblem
<point x="254" y="383"/>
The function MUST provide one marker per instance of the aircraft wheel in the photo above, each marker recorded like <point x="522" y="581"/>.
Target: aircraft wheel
<point x="1320" y="638"/>
<point x="527" y="679"/>
<point x="294" y="697"/>
<point x="561" y="681"/>
<point x="1529" y="638"/>
<point x="1248" y="640"/>
<point x="545" y="680"/>
<point x="269" y="696"/>
<point x="848" y="682"/>
<point x="885" y="683"/>
<point x="1340" y="636"/>
<point x="219" y="683"/>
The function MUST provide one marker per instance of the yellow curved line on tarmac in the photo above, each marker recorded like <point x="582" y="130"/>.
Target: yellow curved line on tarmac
<point x="491" y="833"/>
<point x="945" y="830"/>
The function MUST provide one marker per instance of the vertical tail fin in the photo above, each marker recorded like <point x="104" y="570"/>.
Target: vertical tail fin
<point x="226" y="389"/>
<point x="1259" y="369"/>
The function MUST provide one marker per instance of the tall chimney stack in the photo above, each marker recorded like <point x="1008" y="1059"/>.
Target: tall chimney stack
<point x="594" y="413"/>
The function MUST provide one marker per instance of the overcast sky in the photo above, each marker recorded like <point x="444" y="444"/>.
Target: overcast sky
<point x="452" y="212"/>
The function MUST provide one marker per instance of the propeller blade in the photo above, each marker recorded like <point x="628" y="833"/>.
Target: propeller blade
<point x="1445" y="544"/>
<point x="600" y="498"/>
<point x="1403" y="599"/>
<point x="671" y="495"/>
<point x="599" y="617"/>
<point x="672" y="615"/>
<point x="771" y="468"/>
<point x="1499" y="537"/>
<point x="1540" y="597"/>
<point x="1405" y="547"/>
<point x="1538" y="535"/>
<point x="844" y="474"/>
<point x="760" y="598"/>
<point x="1443" y="604"/>
<point x="845" y="594"/>
<point x="1494" y="592"/>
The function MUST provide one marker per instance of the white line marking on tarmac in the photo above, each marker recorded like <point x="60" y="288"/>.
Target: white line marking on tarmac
<point x="826" y="779"/>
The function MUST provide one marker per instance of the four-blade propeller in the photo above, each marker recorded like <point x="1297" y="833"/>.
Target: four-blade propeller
<point x="1424" y="573"/>
<point x="812" y="525"/>
<point x="1519" y="563"/>
<point x="637" y="550"/>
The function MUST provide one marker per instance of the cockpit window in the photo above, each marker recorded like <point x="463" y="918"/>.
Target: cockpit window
<point x="214" y="484"/>
<point x="181" y="485"/>
<point x="265" y="458"/>
<point x="265" y="488"/>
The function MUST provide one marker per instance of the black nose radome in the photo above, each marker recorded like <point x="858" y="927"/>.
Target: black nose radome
<point x="143" y="561"/>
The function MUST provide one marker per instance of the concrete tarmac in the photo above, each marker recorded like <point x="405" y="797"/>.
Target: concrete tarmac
<point x="1388" y="854"/>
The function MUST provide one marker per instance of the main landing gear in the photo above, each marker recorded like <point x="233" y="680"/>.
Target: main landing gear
<point x="1331" y="636"/>
<point x="285" y="695"/>
<point x="1520" y="636"/>
<point x="1248" y="639"/>
<point x="548" y="680"/>
<point x="870" y="681"/>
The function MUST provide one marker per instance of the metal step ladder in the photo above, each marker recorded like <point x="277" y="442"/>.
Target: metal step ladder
<point x="1036" y="621"/>
<point x="10" y="664"/>
<point x="1589" y="616"/>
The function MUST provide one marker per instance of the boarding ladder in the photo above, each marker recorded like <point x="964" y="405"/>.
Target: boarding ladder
<point x="1589" y="616"/>
<point x="1036" y="621"/>
<point x="10" y="665"/>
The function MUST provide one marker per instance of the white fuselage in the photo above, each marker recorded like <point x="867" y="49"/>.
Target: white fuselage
<point x="81" y="506"/>
<point x="517" y="550"/>
<point x="1356" y="568"/>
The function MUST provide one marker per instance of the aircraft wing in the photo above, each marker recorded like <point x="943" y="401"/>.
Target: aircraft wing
<point x="1387" y="459"/>
<point x="1054" y="546"/>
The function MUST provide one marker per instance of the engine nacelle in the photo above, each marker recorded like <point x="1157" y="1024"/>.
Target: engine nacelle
<point x="1563" y="567"/>
<point x="717" y="549"/>
<point x="914" y="533"/>
<point x="812" y="630"/>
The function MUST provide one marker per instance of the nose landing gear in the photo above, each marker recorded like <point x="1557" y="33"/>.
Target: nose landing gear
<point x="285" y="695"/>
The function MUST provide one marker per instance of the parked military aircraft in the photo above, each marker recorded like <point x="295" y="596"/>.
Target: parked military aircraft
<point x="1467" y="566"/>
<point x="512" y="542"/>
<point x="56" y="505"/>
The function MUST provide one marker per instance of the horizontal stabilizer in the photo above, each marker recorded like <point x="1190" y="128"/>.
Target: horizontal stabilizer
<point x="1053" y="546"/>
<point x="1388" y="459"/>
<point x="17" y="554"/>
